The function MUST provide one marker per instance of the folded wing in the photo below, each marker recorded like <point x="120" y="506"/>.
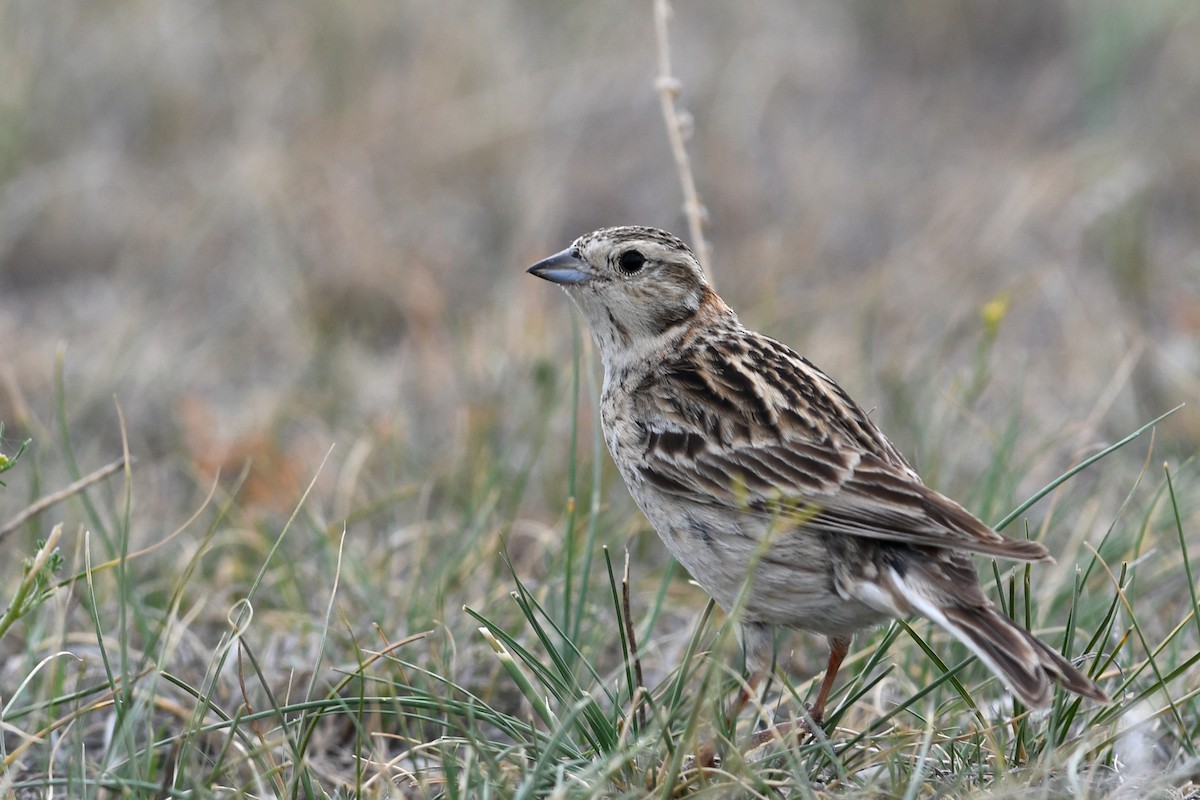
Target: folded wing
<point x="764" y="431"/>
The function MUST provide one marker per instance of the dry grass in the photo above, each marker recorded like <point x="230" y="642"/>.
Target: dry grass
<point x="288" y="239"/>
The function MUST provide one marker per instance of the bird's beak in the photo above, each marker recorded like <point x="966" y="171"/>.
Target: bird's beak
<point x="563" y="268"/>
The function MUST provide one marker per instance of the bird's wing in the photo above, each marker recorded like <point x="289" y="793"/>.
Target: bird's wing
<point x="755" y="427"/>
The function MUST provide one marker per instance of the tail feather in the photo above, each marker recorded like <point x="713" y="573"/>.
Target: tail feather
<point x="1028" y="666"/>
<point x="1068" y="676"/>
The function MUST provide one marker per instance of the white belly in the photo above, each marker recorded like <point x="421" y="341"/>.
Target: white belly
<point x="781" y="577"/>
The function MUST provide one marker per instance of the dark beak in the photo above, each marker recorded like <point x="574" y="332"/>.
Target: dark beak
<point x="563" y="268"/>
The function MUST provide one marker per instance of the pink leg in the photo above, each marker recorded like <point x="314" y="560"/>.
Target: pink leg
<point x="748" y="690"/>
<point x="837" y="653"/>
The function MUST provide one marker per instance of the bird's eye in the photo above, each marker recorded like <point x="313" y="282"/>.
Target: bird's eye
<point x="631" y="261"/>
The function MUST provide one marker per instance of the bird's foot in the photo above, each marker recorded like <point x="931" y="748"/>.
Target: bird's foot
<point x="780" y="732"/>
<point x="799" y="728"/>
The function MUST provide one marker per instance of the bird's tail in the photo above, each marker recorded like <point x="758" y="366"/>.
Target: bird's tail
<point x="1028" y="666"/>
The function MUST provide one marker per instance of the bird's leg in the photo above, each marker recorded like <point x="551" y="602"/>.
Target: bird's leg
<point x="837" y="653"/>
<point x="745" y="695"/>
<point x="758" y="648"/>
<point x="707" y="755"/>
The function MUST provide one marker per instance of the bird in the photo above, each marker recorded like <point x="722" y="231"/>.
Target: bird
<point x="770" y="485"/>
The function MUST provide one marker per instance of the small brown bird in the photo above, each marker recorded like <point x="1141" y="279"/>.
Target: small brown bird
<point x="766" y="481"/>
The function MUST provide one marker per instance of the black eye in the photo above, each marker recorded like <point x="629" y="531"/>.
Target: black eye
<point x="631" y="261"/>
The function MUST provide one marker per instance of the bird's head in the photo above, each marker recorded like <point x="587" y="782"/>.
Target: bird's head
<point x="634" y="285"/>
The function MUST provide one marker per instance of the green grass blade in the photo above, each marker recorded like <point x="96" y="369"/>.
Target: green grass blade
<point x="1082" y="465"/>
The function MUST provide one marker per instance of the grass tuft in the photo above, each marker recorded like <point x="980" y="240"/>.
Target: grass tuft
<point x="539" y="686"/>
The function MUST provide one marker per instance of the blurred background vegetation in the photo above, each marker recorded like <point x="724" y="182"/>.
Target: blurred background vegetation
<point x="268" y="229"/>
<point x="281" y="225"/>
